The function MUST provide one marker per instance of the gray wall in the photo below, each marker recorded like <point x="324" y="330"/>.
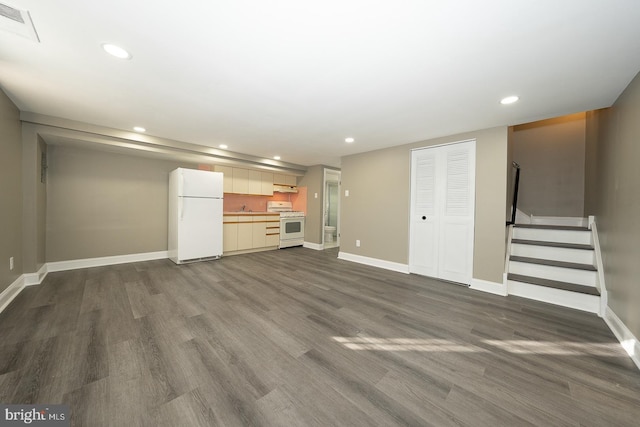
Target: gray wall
<point x="552" y="156"/>
<point x="105" y="204"/>
<point x="313" y="180"/>
<point x="591" y="163"/>
<point x="34" y="200"/>
<point x="617" y="205"/>
<point x="10" y="192"/>
<point x="377" y="209"/>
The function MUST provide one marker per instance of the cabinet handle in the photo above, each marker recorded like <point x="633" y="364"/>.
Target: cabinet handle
<point x="424" y="217"/>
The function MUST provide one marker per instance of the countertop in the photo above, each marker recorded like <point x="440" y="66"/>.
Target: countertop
<point x="238" y="213"/>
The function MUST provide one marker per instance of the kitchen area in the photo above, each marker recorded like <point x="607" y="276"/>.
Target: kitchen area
<point x="261" y="210"/>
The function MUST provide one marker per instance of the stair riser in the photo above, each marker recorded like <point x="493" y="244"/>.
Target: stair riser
<point x="555" y="254"/>
<point x="561" y="274"/>
<point x="559" y="236"/>
<point x="578" y="301"/>
<point x="555" y="220"/>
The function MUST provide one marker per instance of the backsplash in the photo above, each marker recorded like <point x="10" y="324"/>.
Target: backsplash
<point x="234" y="202"/>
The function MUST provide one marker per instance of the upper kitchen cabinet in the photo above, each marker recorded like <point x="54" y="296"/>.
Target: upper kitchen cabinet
<point x="228" y="177"/>
<point x="245" y="181"/>
<point x="267" y="183"/>
<point x="280" y="179"/>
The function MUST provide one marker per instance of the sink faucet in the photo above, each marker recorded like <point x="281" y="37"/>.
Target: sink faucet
<point x="243" y="206"/>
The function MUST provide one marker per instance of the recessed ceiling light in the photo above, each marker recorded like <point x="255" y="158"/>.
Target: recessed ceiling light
<point x="509" y="100"/>
<point x="349" y="140"/>
<point x="276" y="157"/>
<point x="139" y="129"/>
<point x="223" y="146"/>
<point x="116" y="51"/>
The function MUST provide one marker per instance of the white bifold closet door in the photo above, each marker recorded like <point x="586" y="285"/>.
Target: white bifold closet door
<point x="443" y="211"/>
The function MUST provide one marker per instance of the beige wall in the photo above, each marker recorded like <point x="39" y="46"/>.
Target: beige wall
<point x="313" y="180"/>
<point x="552" y="156"/>
<point x="10" y="192"/>
<point x="617" y="206"/>
<point x="377" y="209"/>
<point x="104" y="204"/>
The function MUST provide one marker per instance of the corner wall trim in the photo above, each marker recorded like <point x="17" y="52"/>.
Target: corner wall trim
<point x="374" y="262"/>
<point x="489" y="287"/>
<point x="628" y="341"/>
<point x="31" y="279"/>
<point x="102" y="261"/>
<point x="315" y="246"/>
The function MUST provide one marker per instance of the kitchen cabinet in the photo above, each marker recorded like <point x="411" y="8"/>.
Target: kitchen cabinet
<point x="255" y="182"/>
<point x="228" y="177"/>
<point x="266" y="179"/>
<point x="230" y="234"/>
<point x="272" y="231"/>
<point x="246" y="181"/>
<point x="245" y="233"/>
<point x="249" y="232"/>
<point x="240" y="181"/>
<point x="259" y="231"/>
<point x="281" y="179"/>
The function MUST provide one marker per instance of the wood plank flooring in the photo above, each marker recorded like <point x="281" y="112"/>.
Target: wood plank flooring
<point x="297" y="337"/>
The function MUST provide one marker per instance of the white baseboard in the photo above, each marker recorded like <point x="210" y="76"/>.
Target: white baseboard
<point x="11" y="292"/>
<point x="629" y="341"/>
<point x="374" y="262"/>
<point x="19" y="284"/>
<point x="102" y="261"/>
<point x="490" y="287"/>
<point x="31" y="279"/>
<point x="315" y="246"/>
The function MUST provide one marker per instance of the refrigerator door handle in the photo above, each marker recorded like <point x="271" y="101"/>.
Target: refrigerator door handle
<point x="181" y="207"/>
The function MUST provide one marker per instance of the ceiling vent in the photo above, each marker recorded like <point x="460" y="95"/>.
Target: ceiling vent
<point x="18" y="22"/>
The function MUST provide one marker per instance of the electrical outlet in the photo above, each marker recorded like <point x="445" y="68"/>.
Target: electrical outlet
<point x="346" y="193"/>
<point x="357" y="243"/>
<point x="11" y="263"/>
<point x="315" y="195"/>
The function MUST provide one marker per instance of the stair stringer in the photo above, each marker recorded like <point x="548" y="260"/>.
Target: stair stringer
<point x="600" y="284"/>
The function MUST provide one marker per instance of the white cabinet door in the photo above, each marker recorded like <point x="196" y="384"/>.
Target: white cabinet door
<point x="442" y="211"/>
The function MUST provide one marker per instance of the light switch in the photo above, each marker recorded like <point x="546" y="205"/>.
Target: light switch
<point x="346" y="193"/>
<point x="315" y="195"/>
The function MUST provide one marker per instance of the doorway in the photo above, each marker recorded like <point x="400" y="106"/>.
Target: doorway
<point x="331" y="209"/>
<point x="443" y="211"/>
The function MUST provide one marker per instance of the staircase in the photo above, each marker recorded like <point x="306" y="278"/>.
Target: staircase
<point x="554" y="263"/>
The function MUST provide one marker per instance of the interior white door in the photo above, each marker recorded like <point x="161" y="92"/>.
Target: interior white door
<point x="442" y="212"/>
<point x="424" y="215"/>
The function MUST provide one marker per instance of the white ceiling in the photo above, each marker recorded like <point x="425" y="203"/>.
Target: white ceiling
<point x="295" y="77"/>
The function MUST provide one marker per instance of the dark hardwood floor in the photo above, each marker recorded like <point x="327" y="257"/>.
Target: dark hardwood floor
<point x="296" y="337"/>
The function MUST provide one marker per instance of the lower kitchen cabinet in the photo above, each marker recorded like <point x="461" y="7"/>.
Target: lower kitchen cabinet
<point x="245" y="233"/>
<point x="249" y="233"/>
<point x="259" y="232"/>
<point x="229" y="236"/>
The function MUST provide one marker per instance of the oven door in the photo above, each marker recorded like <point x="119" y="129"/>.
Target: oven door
<point x="291" y="231"/>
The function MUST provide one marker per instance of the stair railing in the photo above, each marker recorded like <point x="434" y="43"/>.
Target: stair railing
<point x="516" y="184"/>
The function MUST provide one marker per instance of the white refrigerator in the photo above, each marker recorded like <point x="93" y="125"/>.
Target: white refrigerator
<point x="195" y="215"/>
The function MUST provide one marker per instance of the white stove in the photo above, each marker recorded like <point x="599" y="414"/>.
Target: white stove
<point x="291" y="223"/>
